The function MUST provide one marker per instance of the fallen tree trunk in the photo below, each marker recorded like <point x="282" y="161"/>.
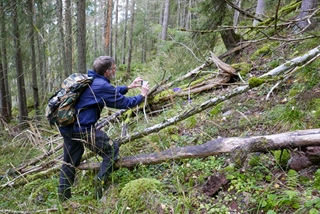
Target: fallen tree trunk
<point x="298" y="61"/>
<point x="238" y="146"/>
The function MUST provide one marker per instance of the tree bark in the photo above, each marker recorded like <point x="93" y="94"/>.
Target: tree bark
<point x="81" y="35"/>
<point x="236" y="13"/>
<point x="165" y="20"/>
<point x="108" y="29"/>
<point x="115" y="54"/>
<point x="259" y="11"/>
<point x="307" y="8"/>
<point x="5" y="91"/>
<point x="3" y="107"/>
<point x="35" y="88"/>
<point x="130" y="39"/>
<point x="124" y="46"/>
<point x="41" y="45"/>
<point x="62" y="39"/>
<point x="68" y="36"/>
<point x="22" y="98"/>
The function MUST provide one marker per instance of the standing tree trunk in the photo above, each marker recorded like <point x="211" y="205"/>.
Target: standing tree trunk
<point x="81" y="35"/>
<point x="35" y="88"/>
<point x="144" y="35"/>
<point x="261" y="5"/>
<point x="61" y="43"/>
<point x="68" y="27"/>
<point x="4" y="84"/>
<point x="22" y="99"/>
<point x="108" y="29"/>
<point x="165" y="20"/>
<point x="188" y="15"/>
<point x="42" y="51"/>
<point x="236" y="13"/>
<point x="116" y="32"/>
<point x="130" y="38"/>
<point x="307" y="8"/>
<point x="3" y="106"/>
<point x="95" y="31"/>
<point x="230" y="38"/>
<point x="124" y="47"/>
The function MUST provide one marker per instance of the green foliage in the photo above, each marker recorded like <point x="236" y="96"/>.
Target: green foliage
<point x="141" y="192"/>
<point x="281" y="156"/>
<point x="191" y="122"/>
<point x="317" y="180"/>
<point x="288" y="115"/>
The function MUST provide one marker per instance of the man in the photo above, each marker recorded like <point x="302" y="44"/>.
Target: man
<point x="83" y="133"/>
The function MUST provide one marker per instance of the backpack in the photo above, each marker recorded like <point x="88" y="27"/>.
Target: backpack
<point x="60" y="108"/>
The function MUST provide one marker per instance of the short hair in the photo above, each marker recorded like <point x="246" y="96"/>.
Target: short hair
<point x="102" y="63"/>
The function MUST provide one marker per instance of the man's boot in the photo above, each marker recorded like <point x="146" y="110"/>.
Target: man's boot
<point x="64" y="194"/>
<point x="98" y="188"/>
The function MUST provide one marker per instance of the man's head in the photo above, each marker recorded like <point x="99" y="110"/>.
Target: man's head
<point x="105" y="66"/>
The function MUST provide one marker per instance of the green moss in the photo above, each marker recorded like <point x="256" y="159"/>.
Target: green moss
<point x="158" y="98"/>
<point x="264" y="50"/>
<point x="139" y="192"/>
<point x="216" y="110"/>
<point x="255" y="82"/>
<point x="243" y="68"/>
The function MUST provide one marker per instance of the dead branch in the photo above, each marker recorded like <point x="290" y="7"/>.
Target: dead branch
<point x="189" y="112"/>
<point x="189" y="74"/>
<point x="293" y="63"/>
<point x="222" y="65"/>
<point x="37" y="159"/>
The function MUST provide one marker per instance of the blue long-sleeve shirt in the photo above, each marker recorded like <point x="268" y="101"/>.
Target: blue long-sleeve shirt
<point x="98" y="95"/>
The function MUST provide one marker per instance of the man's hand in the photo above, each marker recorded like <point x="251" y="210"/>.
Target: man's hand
<point x="136" y="83"/>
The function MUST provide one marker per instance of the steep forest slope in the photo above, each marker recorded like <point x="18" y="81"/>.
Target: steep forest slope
<point x="231" y="98"/>
<point x="214" y="184"/>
